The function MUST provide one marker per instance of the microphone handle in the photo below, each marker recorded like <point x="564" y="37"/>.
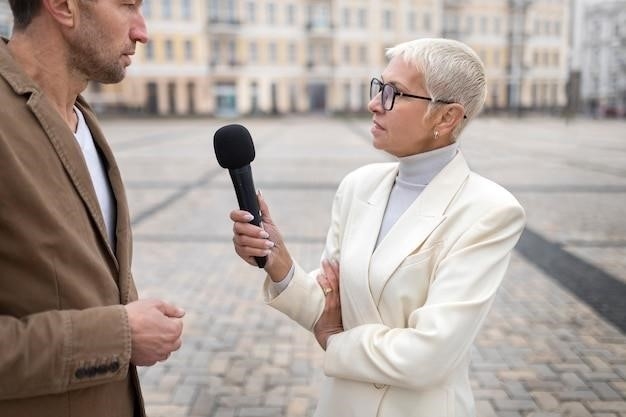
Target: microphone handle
<point x="247" y="198"/>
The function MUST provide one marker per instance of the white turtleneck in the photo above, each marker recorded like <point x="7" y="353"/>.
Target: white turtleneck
<point x="414" y="173"/>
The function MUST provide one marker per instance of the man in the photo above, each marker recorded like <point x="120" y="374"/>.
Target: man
<point x="71" y="330"/>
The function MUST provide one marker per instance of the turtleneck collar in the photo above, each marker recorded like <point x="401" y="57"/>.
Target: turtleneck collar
<point x="421" y="168"/>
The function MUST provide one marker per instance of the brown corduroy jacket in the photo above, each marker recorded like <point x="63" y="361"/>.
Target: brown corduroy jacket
<point x="64" y="336"/>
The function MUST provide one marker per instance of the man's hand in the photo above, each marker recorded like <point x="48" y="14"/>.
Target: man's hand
<point x="330" y="322"/>
<point x="155" y="328"/>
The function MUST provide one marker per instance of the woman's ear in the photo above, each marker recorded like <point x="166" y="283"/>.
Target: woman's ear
<point x="62" y="11"/>
<point x="451" y="115"/>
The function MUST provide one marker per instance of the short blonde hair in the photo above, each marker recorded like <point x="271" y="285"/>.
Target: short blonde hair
<point x="452" y="72"/>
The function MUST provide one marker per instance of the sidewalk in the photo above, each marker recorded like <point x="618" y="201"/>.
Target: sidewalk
<point x="543" y="351"/>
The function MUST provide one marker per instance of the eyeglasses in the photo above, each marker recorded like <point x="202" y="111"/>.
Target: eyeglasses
<point x="389" y="94"/>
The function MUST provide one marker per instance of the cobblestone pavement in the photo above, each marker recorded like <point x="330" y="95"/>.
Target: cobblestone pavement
<point x="548" y="348"/>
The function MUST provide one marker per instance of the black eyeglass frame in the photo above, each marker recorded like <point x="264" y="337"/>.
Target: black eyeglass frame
<point x="396" y="93"/>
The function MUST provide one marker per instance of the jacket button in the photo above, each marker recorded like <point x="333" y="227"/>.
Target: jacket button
<point x="80" y="373"/>
<point x="92" y="371"/>
<point x="380" y="386"/>
<point x="102" y="369"/>
<point x="114" y="366"/>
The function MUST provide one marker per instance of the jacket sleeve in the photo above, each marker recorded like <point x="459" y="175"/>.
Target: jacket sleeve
<point x="440" y="333"/>
<point x="58" y="351"/>
<point x="303" y="299"/>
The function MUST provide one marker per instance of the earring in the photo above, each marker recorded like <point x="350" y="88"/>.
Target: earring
<point x="436" y="134"/>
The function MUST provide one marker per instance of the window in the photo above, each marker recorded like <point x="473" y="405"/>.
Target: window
<point x="232" y="52"/>
<point x="411" y="21"/>
<point x="292" y="52"/>
<point x="291" y="14"/>
<point x="271" y="13"/>
<point x="272" y="52"/>
<point x="388" y="20"/>
<point x="346" y="17"/>
<point x="469" y="25"/>
<point x="496" y="25"/>
<point x="215" y="51"/>
<point x="166" y="6"/>
<point x="146" y="8"/>
<point x="169" y="50"/>
<point x="253" y="52"/>
<point x="149" y="51"/>
<point x="186" y="12"/>
<point x="346" y="54"/>
<point x="325" y="54"/>
<point x="363" y="18"/>
<point x="426" y="21"/>
<point x="363" y="56"/>
<point x="188" y="51"/>
<point x="483" y="25"/>
<point x="251" y="12"/>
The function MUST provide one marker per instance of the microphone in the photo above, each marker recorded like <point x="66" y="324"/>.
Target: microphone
<point x="235" y="151"/>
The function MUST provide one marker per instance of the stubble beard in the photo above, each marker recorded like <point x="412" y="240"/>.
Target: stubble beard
<point x="91" y="56"/>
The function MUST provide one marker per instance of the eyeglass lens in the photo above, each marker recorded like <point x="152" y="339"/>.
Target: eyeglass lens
<point x="387" y="95"/>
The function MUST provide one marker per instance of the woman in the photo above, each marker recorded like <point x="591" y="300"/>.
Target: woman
<point x="421" y="246"/>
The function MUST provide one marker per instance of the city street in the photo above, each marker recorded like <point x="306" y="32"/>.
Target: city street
<point x="553" y="345"/>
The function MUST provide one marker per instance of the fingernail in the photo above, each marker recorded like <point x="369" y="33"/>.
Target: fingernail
<point x="258" y="191"/>
<point x="269" y="243"/>
<point x="248" y="217"/>
<point x="264" y="234"/>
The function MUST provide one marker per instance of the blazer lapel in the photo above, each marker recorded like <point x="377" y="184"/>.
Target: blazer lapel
<point x="70" y="155"/>
<point x="123" y="249"/>
<point x="416" y="224"/>
<point x="366" y="215"/>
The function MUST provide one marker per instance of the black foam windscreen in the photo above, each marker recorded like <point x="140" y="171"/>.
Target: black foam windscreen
<point x="233" y="146"/>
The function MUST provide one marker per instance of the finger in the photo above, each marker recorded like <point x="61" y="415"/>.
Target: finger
<point x="249" y="229"/>
<point x="331" y="274"/>
<point x="170" y="310"/>
<point x="322" y="280"/>
<point x="253" y="242"/>
<point x="247" y="251"/>
<point x="241" y="216"/>
<point x="177" y="344"/>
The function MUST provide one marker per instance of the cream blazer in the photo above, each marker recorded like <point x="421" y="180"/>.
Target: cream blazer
<point x="413" y="305"/>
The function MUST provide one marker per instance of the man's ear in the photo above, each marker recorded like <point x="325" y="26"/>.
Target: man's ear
<point x="451" y="115"/>
<point x="65" y="12"/>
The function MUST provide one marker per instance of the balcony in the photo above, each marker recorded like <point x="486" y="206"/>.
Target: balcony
<point x="223" y="25"/>
<point x="225" y="67"/>
<point x="320" y="29"/>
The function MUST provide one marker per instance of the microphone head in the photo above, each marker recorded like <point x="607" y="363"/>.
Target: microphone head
<point x="233" y="146"/>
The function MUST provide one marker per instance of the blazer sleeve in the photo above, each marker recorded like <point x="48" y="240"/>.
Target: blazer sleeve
<point x="57" y="351"/>
<point x="303" y="299"/>
<point x="440" y="333"/>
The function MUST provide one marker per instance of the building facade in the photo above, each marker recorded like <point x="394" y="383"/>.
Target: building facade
<point x="603" y="87"/>
<point x="6" y="19"/>
<point x="239" y="57"/>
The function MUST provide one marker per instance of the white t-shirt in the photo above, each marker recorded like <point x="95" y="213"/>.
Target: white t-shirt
<point x="98" y="175"/>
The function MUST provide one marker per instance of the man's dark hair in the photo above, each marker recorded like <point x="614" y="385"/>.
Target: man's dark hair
<point x="24" y="11"/>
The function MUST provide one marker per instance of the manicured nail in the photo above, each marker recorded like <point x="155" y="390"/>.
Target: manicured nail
<point x="248" y="217"/>
<point x="269" y="243"/>
<point x="264" y="234"/>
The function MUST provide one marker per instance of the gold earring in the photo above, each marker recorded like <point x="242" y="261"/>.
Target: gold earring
<point x="436" y="134"/>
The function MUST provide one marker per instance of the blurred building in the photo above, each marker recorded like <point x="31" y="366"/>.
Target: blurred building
<point x="6" y="19"/>
<point x="603" y="52"/>
<point x="235" y="57"/>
